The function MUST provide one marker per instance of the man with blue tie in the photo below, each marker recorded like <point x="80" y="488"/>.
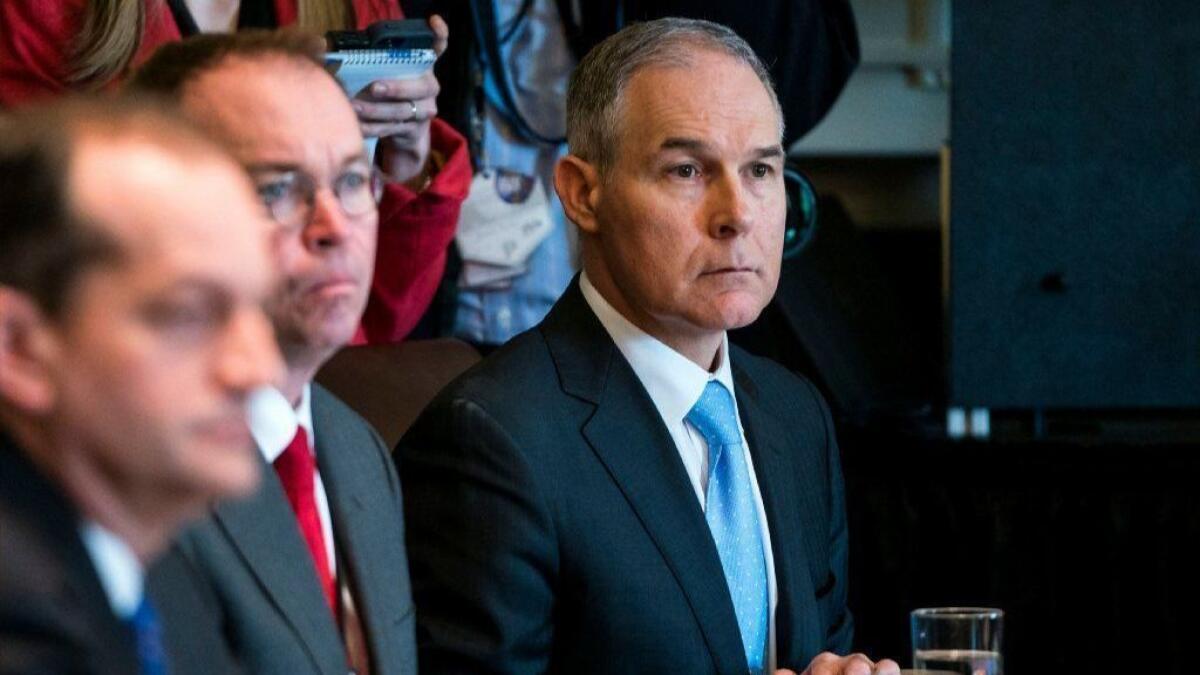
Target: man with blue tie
<point x="131" y="335"/>
<point x="620" y="490"/>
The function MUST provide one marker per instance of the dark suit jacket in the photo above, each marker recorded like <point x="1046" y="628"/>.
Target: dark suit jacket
<point x="247" y="568"/>
<point x="54" y="614"/>
<point x="552" y="526"/>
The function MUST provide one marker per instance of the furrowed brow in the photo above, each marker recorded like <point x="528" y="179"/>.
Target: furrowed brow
<point x="769" y="152"/>
<point x="688" y="144"/>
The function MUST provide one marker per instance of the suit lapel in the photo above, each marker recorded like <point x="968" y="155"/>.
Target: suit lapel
<point x="263" y="529"/>
<point x="362" y="517"/>
<point x="43" y="506"/>
<point x="629" y="438"/>
<point x="793" y="580"/>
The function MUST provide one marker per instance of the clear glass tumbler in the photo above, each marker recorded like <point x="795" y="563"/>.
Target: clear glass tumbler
<point x="958" y="640"/>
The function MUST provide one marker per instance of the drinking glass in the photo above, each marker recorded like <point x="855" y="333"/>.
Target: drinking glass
<point x="958" y="640"/>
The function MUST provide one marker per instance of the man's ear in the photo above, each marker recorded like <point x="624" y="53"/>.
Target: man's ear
<point x="578" y="185"/>
<point x="26" y="351"/>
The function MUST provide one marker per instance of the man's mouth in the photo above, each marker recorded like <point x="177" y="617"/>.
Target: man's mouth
<point x="230" y="430"/>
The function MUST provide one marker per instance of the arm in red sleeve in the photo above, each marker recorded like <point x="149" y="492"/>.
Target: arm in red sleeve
<point x="415" y="231"/>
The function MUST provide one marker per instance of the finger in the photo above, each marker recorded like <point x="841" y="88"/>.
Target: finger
<point x="404" y="111"/>
<point x="423" y="87"/>
<point x="825" y="663"/>
<point x="857" y="664"/>
<point x="441" y="33"/>
<point x="887" y="667"/>
<point x="406" y="133"/>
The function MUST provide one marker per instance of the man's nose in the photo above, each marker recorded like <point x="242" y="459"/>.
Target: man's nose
<point x="327" y="224"/>
<point x="728" y="209"/>
<point x="249" y="357"/>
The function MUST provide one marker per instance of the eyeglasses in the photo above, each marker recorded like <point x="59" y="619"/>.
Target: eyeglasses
<point x="289" y="195"/>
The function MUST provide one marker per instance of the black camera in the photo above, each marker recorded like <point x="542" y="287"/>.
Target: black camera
<point x="404" y="34"/>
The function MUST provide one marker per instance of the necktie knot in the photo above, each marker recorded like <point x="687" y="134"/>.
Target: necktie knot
<point x="295" y="465"/>
<point x="714" y="416"/>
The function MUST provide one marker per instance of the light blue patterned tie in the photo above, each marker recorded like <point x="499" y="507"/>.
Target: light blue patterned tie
<point x="733" y="518"/>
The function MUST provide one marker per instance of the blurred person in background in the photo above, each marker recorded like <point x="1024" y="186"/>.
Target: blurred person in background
<point x="51" y="46"/>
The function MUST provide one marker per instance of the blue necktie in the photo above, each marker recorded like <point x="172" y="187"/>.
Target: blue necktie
<point x="152" y="658"/>
<point x="733" y="518"/>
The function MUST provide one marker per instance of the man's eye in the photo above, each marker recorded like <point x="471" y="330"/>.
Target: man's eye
<point x="762" y="170"/>
<point x="270" y="193"/>
<point x="353" y="180"/>
<point x="182" y="316"/>
<point x="685" y="171"/>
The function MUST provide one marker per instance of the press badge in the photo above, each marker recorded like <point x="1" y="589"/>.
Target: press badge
<point x="505" y="217"/>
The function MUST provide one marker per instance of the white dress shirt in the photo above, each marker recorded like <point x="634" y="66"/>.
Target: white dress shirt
<point x="675" y="384"/>
<point x="120" y="571"/>
<point x="273" y="424"/>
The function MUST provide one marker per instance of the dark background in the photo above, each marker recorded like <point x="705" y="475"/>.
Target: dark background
<point x="1071" y="312"/>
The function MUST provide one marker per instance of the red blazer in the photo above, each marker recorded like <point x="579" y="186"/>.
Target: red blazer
<point x="415" y="229"/>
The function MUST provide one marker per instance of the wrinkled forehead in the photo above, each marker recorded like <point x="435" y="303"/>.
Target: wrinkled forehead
<point x="710" y="96"/>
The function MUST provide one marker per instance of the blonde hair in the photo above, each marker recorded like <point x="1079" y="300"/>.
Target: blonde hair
<point x="318" y="16"/>
<point x="109" y="36"/>
<point x="111" y="32"/>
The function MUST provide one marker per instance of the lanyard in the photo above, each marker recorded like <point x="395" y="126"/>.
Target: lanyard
<point x="497" y="89"/>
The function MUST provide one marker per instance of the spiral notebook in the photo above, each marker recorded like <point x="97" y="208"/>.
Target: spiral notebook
<point x="357" y="68"/>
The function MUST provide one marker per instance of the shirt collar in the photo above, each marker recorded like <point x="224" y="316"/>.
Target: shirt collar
<point x="273" y="421"/>
<point x="121" y="574"/>
<point x="673" y="381"/>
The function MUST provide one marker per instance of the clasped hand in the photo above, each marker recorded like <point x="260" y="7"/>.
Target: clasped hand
<point x="828" y="663"/>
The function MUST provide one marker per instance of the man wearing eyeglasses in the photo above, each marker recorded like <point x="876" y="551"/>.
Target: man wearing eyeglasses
<point x="309" y="574"/>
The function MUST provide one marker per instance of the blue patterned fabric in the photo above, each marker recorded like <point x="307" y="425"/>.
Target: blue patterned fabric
<point x="733" y="519"/>
<point x="539" y="62"/>
<point x="146" y="627"/>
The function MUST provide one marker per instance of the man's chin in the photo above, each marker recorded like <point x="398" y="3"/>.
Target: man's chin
<point x="738" y="310"/>
<point x="228" y="472"/>
<point x="323" y="336"/>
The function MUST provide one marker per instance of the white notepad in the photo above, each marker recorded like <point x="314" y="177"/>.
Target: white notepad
<point x="357" y="68"/>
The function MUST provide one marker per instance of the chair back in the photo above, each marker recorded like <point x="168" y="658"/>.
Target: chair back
<point x="389" y="385"/>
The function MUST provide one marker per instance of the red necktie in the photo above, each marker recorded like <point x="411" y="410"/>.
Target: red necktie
<point x="296" y="470"/>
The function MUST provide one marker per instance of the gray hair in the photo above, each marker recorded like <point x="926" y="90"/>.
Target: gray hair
<point x="597" y="87"/>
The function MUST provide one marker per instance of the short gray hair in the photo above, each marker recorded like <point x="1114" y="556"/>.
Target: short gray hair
<point x="597" y="86"/>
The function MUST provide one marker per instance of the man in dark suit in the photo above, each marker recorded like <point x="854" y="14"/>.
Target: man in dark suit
<point x="131" y="334"/>
<point x="308" y="574"/>
<point x="620" y="490"/>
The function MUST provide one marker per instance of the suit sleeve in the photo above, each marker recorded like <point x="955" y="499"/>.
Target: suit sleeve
<point x="840" y="631"/>
<point x="481" y="545"/>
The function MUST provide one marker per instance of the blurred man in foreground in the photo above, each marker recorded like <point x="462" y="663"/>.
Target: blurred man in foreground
<point x="621" y="490"/>
<point x="133" y="263"/>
